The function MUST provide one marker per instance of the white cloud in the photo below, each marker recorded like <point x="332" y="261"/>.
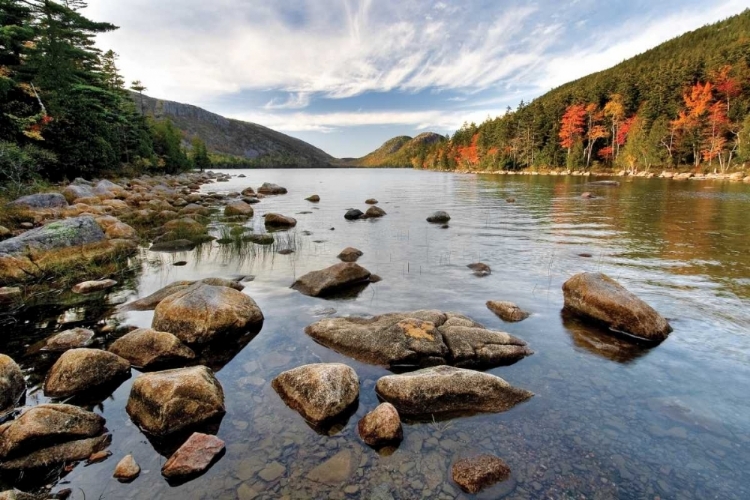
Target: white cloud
<point x="297" y="100"/>
<point x="197" y="51"/>
<point x="328" y="122"/>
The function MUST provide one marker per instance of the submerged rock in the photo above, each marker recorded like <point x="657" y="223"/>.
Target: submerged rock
<point x="381" y="426"/>
<point x="353" y="214"/>
<point x="93" y="286"/>
<point x="319" y="392"/>
<point x="179" y="245"/>
<point x="49" y="434"/>
<point x="337" y="470"/>
<point x="81" y="370"/>
<point x="480" y="269"/>
<point x="598" y="297"/>
<point x="349" y="254"/>
<point x="127" y="469"/>
<point x="477" y="473"/>
<point x="507" y="311"/>
<point x="12" y="384"/>
<point x="419" y="338"/>
<point x="162" y="403"/>
<point x="439" y="217"/>
<point x="193" y="457"/>
<point x="371" y="201"/>
<point x="271" y="188"/>
<point x="445" y="389"/>
<point x="331" y="279"/>
<point x="260" y="239"/>
<point x="314" y="198"/>
<point x="279" y="221"/>
<point x="145" y="348"/>
<point x="69" y="339"/>
<point x="203" y="312"/>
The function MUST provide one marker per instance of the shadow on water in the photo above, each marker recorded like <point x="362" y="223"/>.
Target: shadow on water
<point x="216" y="355"/>
<point x="601" y="342"/>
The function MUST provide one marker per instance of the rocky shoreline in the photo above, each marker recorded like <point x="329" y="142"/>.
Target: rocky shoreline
<point x="437" y="357"/>
<point x="665" y="174"/>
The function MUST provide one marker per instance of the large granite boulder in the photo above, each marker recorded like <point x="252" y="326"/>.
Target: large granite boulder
<point x="80" y="370"/>
<point x="202" y="313"/>
<point x="75" y="192"/>
<point x="12" y="384"/>
<point x="419" y="338"/>
<point x="279" y="221"/>
<point x="332" y="279"/>
<point x="170" y="401"/>
<point x="238" y="208"/>
<point x="446" y="389"/>
<point x="146" y="348"/>
<point x="271" y="188"/>
<point x="150" y="302"/>
<point x="48" y="434"/>
<point x="598" y="297"/>
<point x="41" y="201"/>
<point x="381" y="426"/>
<point x="319" y="392"/>
<point x="60" y="243"/>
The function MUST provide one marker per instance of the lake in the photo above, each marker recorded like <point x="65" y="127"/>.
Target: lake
<point x="609" y="419"/>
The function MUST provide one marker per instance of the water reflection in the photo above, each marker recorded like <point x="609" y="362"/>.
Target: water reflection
<point x="667" y="422"/>
<point x="600" y="342"/>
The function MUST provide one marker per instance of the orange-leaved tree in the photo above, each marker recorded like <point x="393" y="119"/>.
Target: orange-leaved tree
<point x="572" y="126"/>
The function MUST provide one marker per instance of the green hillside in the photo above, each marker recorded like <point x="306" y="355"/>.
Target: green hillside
<point x="401" y="151"/>
<point x="683" y="103"/>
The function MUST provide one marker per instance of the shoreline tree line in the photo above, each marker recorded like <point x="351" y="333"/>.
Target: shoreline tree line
<point x="685" y="103"/>
<point x="65" y="111"/>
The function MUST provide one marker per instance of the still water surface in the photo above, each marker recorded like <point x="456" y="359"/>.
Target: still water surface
<point x="609" y="420"/>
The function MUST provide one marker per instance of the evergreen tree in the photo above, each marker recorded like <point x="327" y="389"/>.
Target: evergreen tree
<point x="200" y="155"/>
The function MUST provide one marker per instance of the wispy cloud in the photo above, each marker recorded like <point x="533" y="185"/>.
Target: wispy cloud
<point x="473" y="57"/>
<point x="296" y="100"/>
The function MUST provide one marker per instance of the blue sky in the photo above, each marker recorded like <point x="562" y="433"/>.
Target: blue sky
<point x="346" y="75"/>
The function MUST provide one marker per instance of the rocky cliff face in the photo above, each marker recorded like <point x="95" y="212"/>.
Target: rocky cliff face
<point x="234" y="137"/>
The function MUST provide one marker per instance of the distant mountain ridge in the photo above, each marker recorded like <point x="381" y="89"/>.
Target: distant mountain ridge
<point x="397" y="152"/>
<point x="235" y="138"/>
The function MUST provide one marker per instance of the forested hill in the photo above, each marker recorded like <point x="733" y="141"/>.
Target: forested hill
<point x="683" y="103"/>
<point x="256" y="144"/>
<point x="401" y="151"/>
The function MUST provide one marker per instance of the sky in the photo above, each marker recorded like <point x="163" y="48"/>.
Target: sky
<point x="346" y="75"/>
